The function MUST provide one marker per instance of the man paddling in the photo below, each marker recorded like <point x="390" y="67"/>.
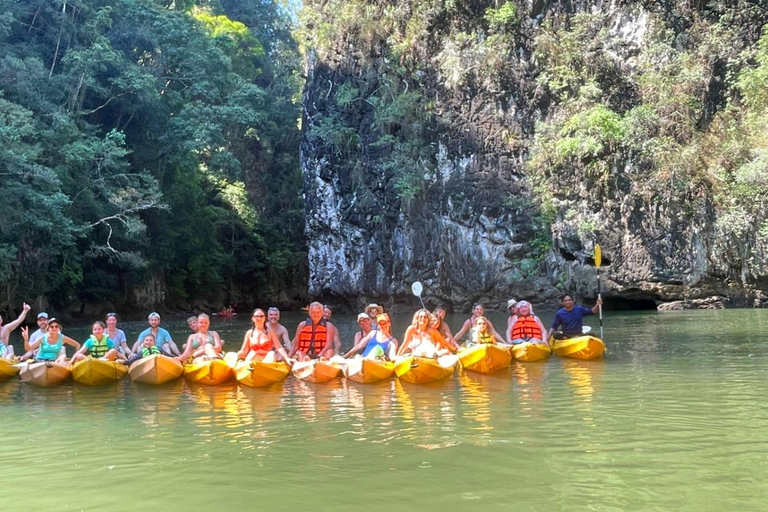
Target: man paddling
<point x="568" y="320"/>
<point x="314" y="336"/>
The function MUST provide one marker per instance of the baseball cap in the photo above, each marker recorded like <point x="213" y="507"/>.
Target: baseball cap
<point x="42" y="314"/>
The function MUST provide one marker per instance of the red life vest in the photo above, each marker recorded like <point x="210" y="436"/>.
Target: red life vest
<point x="526" y="328"/>
<point x="313" y="338"/>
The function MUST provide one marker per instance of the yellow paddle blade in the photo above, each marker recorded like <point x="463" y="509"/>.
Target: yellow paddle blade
<point x="598" y="255"/>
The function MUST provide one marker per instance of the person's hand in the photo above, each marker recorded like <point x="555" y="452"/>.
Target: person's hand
<point x="26" y="307"/>
<point x="25" y="333"/>
<point x="599" y="302"/>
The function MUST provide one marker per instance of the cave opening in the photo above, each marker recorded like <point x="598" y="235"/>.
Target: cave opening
<point x="625" y="304"/>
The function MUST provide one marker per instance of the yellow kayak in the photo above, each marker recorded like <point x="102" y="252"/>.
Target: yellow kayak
<point x="7" y="369"/>
<point x="210" y="373"/>
<point x="530" y="352"/>
<point x="582" y="347"/>
<point x="485" y="358"/>
<point x="155" y="369"/>
<point x="258" y="374"/>
<point x="420" y="370"/>
<point x="368" y="371"/>
<point x="316" y="371"/>
<point x="46" y="373"/>
<point x="97" y="372"/>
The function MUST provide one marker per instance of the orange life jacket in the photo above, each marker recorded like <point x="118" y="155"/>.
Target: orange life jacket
<point x="526" y="328"/>
<point x="313" y="338"/>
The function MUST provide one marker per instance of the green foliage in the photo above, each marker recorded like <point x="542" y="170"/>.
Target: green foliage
<point x="502" y="18"/>
<point x="148" y="141"/>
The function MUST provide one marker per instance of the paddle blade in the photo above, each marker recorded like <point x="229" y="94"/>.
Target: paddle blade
<point x="416" y="288"/>
<point x="598" y="255"/>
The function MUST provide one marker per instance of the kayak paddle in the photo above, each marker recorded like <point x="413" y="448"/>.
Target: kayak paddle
<point x="598" y="261"/>
<point x="416" y="288"/>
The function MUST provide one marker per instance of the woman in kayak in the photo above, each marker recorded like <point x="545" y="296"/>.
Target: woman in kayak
<point x="422" y="340"/>
<point x="204" y="345"/>
<point x="526" y="326"/>
<point x="99" y="345"/>
<point x="261" y="343"/>
<point x="379" y="343"/>
<point x="477" y="311"/>
<point x="117" y="335"/>
<point x="50" y="344"/>
<point x="482" y="333"/>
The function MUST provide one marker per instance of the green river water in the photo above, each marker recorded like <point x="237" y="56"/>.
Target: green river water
<point x="672" y="419"/>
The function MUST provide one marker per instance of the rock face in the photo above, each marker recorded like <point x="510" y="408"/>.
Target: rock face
<point x="472" y="226"/>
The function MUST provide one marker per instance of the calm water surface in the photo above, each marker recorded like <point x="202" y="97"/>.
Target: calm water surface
<point x="672" y="419"/>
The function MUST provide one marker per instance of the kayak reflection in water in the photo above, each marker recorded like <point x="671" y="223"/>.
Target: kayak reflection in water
<point x="379" y="343"/>
<point x="568" y="320"/>
<point x="423" y="340"/>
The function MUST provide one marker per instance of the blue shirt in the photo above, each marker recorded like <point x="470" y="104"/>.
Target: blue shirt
<point x="570" y="320"/>
<point x="161" y="339"/>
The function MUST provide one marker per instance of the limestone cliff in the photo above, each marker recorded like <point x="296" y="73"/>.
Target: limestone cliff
<point x="484" y="147"/>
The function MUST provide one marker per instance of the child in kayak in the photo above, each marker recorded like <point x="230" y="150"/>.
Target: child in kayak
<point x="482" y="333"/>
<point x="148" y="348"/>
<point x="98" y="345"/>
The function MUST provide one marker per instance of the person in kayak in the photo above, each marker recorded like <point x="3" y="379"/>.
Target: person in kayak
<point x="6" y="349"/>
<point x="314" y="336"/>
<point x="422" y="340"/>
<point x="512" y="308"/>
<point x="376" y="344"/>
<point x="438" y="322"/>
<point x="117" y="335"/>
<point x="526" y="326"/>
<point x="163" y="338"/>
<point x="98" y="345"/>
<point x="568" y="320"/>
<point x="366" y="326"/>
<point x="203" y="345"/>
<point x="477" y="311"/>
<point x="274" y="325"/>
<point x="373" y="311"/>
<point x="482" y="334"/>
<point x="192" y="324"/>
<point x="49" y="346"/>
<point x="260" y="343"/>
<point x="327" y="314"/>
<point x="148" y="348"/>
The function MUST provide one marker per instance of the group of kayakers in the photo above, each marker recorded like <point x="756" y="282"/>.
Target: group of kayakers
<point x="315" y="338"/>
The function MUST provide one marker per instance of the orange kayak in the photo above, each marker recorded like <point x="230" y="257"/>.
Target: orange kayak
<point x="420" y="370"/>
<point x="368" y="371"/>
<point x="530" y="352"/>
<point x="97" y="372"/>
<point x="209" y="373"/>
<point x="581" y="347"/>
<point x="7" y="369"/>
<point x="485" y="358"/>
<point x="257" y="374"/>
<point x="155" y="369"/>
<point x="316" y="371"/>
<point x="45" y="374"/>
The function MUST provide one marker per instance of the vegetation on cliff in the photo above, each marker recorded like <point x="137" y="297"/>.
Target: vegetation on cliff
<point x="148" y="153"/>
